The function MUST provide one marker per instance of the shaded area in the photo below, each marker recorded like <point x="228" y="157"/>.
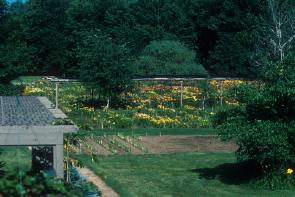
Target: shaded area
<point x="2" y="164"/>
<point x="42" y="159"/>
<point x="231" y="173"/>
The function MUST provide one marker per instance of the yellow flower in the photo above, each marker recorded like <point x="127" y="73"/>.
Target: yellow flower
<point x="142" y="116"/>
<point x="290" y="171"/>
<point x="88" y="109"/>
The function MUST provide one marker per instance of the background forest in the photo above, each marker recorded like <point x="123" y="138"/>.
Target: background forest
<point x="219" y="37"/>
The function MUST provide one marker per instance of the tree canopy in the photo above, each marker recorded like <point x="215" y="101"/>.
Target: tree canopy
<point x="167" y="57"/>
<point x="103" y="64"/>
<point x="226" y="36"/>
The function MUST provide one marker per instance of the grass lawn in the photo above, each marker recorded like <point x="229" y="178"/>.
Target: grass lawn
<point x="26" y="80"/>
<point x="181" y="175"/>
<point x="151" y="131"/>
<point x="16" y="158"/>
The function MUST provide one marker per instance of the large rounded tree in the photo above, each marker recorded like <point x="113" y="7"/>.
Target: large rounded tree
<point x="168" y="57"/>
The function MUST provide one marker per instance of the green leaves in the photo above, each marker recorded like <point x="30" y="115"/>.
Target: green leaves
<point x="2" y="164"/>
<point x="15" y="59"/>
<point x="168" y="57"/>
<point x="103" y="65"/>
<point x="265" y="129"/>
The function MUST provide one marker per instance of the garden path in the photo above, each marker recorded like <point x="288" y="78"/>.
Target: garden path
<point x="97" y="181"/>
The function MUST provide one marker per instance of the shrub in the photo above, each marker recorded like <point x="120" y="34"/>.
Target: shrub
<point x="241" y="93"/>
<point x="168" y="57"/>
<point x="226" y="114"/>
<point x="38" y="185"/>
<point x="264" y="126"/>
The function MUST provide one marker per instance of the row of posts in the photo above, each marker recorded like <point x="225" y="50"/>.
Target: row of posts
<point x="220" y="84"/>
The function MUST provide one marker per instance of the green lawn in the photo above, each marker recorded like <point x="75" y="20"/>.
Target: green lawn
<point x="181" y="175"/>
<point x="26" y="80"/>
<point x="152" y="131"/>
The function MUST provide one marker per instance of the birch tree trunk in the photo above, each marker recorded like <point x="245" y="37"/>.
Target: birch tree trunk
<point x="282" y="27"/>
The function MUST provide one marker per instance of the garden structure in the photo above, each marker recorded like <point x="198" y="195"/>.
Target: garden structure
<point x="31" y="121"/>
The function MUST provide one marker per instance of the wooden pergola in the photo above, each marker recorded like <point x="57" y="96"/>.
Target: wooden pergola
<point x="28" y="121"/>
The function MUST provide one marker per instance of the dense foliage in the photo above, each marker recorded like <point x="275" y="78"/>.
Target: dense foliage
<point x="225" y="36"/>
<point x="263" y="125"/>
<point x="1" y="167"/>
<point x="38" y="185"/>
<point x="103" y="65"/>
<point x="166" y="58"/>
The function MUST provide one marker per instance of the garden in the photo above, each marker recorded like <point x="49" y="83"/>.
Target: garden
<point x="116" y="144"/>
<point x="170" y="98"/>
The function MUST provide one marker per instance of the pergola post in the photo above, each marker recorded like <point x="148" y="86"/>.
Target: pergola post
<point x="58" y="160"/>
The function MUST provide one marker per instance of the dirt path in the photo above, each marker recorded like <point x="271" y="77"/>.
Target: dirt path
<point x="97" y="181"/>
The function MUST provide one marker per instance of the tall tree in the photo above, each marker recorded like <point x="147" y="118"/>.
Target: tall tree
<point x="44" y="31"/>
<point x="280" y="28"/>
<point x="103" y="65"/>
<point x="83" y="16"/>
<point x="15" y="56"/>
<point x="233" y="25"/>
<point x="3" y="17"/>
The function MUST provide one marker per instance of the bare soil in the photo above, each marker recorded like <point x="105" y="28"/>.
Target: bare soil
<point x="166" y="144"/>
<point x="189" y="143"/>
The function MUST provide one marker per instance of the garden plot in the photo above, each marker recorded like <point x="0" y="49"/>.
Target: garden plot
<point x="120" y="144"/>
<point x="107" y="145"/>
<point x="173" y="144"/>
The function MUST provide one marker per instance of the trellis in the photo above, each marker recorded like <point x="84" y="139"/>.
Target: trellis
<point x="182" y="80"/>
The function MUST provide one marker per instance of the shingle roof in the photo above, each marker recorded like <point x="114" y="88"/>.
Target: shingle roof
<point x="24" y="110"/>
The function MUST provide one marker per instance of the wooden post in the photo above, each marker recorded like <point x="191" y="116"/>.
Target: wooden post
<point x="221" y="93"/>
<point x="56" y="95"/>
<point x="58" y="161"/>
<point x="181" y="94"/>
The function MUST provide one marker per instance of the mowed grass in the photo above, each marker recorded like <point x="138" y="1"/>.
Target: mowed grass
<point x="151" y="131"/>
<point x="26" y="80"/>
<point x="16" y="159"/>
<point x="181" y="175"/>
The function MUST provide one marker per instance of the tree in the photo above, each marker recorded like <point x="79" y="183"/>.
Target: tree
<point x="44" y="32"/>
<point x="282" y="26"/>
<point x="226" y="35"/>
<point x="167" y="57"/>
<point x="15" y="55"/>
<point x="103" y="65"/>
<point x="15" y="59"/>
<point x="3" y="17"/>
<point x="83" y="16"/>
<point x="232" y="55"/>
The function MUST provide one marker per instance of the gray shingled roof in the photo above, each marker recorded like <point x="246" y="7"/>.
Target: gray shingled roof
<point x="24" y="110"/>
